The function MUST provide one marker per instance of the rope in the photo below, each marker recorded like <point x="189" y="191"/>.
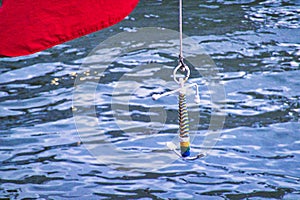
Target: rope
<point x="180" y="30"/>
<point x="181" y="65"/>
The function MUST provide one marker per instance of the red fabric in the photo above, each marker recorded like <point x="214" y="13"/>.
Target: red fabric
<point x="29" y="26"/>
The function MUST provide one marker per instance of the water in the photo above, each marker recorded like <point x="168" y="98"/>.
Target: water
<point x="256" y="48"/>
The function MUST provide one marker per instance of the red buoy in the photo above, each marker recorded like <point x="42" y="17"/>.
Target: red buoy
<point x="29" y="26"/>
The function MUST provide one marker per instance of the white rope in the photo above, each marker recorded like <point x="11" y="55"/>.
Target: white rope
<point x="180" y="28"/>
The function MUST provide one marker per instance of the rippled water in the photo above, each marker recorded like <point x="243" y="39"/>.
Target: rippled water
<point x="256" y="48"/>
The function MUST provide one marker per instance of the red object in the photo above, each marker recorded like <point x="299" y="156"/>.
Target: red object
<point x="29" y="26"/>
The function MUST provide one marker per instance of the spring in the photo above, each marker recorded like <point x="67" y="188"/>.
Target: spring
<point x="183" y="126"/>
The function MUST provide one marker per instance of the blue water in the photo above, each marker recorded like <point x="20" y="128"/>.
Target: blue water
<point x="255" y="46"/>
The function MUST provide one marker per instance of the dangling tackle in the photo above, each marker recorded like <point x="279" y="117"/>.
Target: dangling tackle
<point x="184" y="136"/>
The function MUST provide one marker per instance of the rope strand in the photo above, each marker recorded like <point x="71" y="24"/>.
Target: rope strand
<point x="180" y="29"/>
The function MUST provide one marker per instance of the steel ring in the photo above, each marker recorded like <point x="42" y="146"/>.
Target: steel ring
<point x="188" y="72"/>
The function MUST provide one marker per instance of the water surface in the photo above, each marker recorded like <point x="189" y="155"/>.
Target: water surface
<point x="256" y="48"/>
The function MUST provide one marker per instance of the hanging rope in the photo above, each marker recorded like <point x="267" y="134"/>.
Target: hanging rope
<point x="181" y="65"/>
<point x="180" y="30"/>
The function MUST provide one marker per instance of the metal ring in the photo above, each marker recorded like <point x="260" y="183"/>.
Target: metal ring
<point x="188" y="72"/>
